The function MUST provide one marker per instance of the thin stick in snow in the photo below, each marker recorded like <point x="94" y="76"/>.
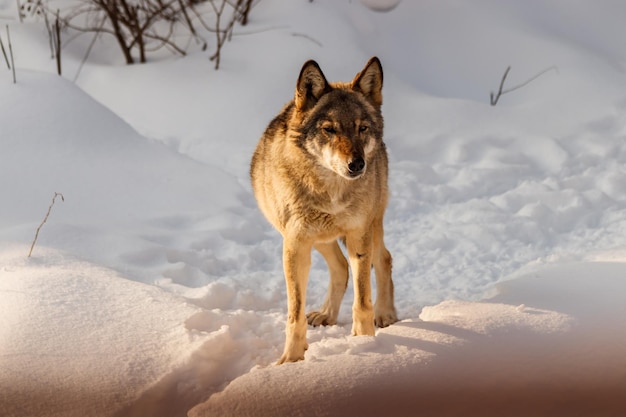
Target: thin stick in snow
<point x="11" y="54"/>
<point x="57" y="42"/>
<point x="44" y="220"/>
<point x="494" y="99"/>
<point x="93" y="41"/>
<point x="4" y="52"/>
<point x="19" y="11"/>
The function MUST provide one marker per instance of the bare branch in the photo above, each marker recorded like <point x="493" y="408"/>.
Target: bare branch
<point x="19" y="11"/>
<point x="93" y="41"/>
<point x="143" y="26"/>
<point x="531" y="79"/>
<point x="4" y="52"/>
<point x="11" y="54"/>
<point x="494" y="99"/>
<point x="44" y="220"/>
<point x="57" y="41"/>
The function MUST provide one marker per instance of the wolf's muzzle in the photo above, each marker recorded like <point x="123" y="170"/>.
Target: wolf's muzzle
<point x="356" y="166"/>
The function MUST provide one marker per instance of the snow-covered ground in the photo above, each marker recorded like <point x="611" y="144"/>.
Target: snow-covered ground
<point x="155" y="288"/>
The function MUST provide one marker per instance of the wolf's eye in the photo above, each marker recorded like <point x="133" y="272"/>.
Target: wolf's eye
<point x="330" y="130"/>
<point x="363" y="128"/>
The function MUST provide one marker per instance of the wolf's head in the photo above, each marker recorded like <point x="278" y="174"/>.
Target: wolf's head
<point x="340" y="124"/>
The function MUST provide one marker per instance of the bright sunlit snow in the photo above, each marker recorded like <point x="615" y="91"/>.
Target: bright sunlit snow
<point x="156" y="287"/>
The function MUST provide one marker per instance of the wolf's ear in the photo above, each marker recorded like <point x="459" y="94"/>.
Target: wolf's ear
<point x="370" y="81"/>
<point x="312" y="85"/>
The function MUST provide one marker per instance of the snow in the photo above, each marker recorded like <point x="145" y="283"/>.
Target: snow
<point x="65" y="332"/>
<point x="156" y="289"/>
<point x="550" y="343"/>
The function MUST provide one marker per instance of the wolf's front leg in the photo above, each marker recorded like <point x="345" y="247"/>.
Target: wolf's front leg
<point x="384" y="309"/>
<point x="296" y="264"/>
<point x="360" y="253"/>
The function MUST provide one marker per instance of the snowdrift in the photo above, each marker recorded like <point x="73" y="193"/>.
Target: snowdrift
<point x="80" y="340"/>
<point x="551" y="343"/>
<point x="121" y="191"/>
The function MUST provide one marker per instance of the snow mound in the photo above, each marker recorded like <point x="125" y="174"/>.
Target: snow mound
<point x="81" y="340"/>
<point x="121" y="190"/>
<point x="546" y="345"/>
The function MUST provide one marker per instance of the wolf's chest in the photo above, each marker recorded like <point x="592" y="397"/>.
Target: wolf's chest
<point x="338" y="214"/>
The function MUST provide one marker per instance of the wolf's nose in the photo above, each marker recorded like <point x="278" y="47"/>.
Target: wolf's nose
<point x="356" y="165"/>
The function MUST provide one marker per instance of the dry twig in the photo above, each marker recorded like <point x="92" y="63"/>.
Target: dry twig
<point x="11" y="54"/>
<point x="44" y="220"/>
<point x="495" y="98"/>
<point x="4" y="52"/>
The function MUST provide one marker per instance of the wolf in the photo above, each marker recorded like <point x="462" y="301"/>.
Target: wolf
<point x="319" y="175"/>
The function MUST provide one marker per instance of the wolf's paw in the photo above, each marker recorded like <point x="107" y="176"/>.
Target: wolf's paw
<point x="318" y="318"/>
<point x="293" y="355"/>
<point x="365" y="328"/>
<point x="385" y="318"/>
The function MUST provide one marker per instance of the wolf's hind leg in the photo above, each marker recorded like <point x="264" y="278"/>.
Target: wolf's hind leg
<point x="384" y="309"/>
<point x="338" y="269"/>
